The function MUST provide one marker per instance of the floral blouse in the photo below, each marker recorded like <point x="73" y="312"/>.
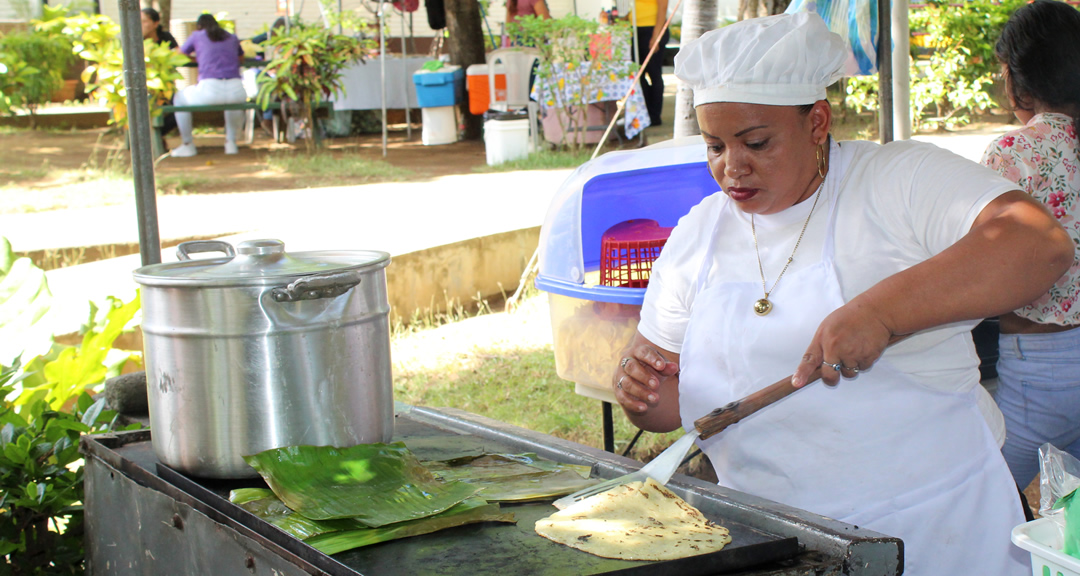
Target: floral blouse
<point x="1042" y="157"/>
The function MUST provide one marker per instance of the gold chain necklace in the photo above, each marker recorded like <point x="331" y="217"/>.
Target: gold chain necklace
<point x="764" y="305"/>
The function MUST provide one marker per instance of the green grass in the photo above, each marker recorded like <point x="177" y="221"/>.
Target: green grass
<point x="324" y="167"/>
<point x="180" y="183"/>
<point x="9" y="178"/>
<point x="496" y="365"/>
<point x="520" y="387"/>
<point x="543" y="160"/>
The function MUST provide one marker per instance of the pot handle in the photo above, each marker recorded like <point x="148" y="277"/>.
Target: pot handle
<point x="185" y="249"/>
<point x="319" y="286"/>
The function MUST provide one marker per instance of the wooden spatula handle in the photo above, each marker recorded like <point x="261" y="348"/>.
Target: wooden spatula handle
<point x="716" y="421"/>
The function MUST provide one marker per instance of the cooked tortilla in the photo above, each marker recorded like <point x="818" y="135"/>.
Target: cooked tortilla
<point x="635" y="521"/>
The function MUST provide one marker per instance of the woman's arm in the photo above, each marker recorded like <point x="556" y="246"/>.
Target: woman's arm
<point x="188" y="49"/>
<point x="541" y="10"/>
<point x="646" y="385"/>
<point x="661" y="19"/>
<point x="1014" y="252"/>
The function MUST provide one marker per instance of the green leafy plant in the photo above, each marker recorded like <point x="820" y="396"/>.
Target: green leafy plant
<point x="66" y="371"/>
<point x="15" y="75"/>
<point x="41" y="481"/>
<point x="37" y="61"/>
<point x="307" y="67"/>
<point x="24" y="300"/>
<point x="45" y="406"/>
<point x="96" y="39"/>
<point x="953" y="76"/>
<point x="575" y="52"/>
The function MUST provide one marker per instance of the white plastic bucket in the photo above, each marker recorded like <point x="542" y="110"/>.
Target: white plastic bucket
<point x="440" y="125"/>
<point x="506" y="140"/>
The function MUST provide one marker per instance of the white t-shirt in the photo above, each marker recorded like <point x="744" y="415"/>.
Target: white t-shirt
<point x="899" y="205"/>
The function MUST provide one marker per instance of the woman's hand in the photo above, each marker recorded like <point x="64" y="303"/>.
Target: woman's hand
<point x="645" y="384"/>
<point x="852" y="338"/>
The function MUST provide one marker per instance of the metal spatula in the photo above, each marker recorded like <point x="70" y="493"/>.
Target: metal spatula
<point x="660" y="469"/>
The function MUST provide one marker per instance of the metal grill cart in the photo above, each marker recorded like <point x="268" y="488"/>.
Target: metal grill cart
<point x="592" y="323"/>
<point x="144" y="518"/>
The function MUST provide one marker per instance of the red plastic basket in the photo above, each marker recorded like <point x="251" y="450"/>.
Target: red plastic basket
<point x="627" y="251"/>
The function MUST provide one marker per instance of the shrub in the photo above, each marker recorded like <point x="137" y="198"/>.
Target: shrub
<point x="45" y="407"/>
<point x="954" y="79"/>
<point x="307" y="67"/>
<point x="34" y="64"/>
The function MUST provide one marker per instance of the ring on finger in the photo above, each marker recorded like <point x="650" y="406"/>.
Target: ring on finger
<point x="619" y="383"/>
<point x="837" y="366"/>
<point x="624" y="362"/>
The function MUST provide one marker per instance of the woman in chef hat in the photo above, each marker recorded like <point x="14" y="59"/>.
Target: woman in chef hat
<point x="814" y="258"/>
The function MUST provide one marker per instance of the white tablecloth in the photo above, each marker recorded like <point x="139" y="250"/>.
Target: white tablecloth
<point x="363" y="91"/>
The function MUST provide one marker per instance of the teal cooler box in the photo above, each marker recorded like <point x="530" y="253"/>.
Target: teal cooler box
<point x="437" y="92"/>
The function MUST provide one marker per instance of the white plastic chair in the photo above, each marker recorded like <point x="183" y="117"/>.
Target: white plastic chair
<point x="517" y="64"/>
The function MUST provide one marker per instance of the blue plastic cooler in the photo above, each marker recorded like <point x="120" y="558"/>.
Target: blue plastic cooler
<point x="442" y="87"/>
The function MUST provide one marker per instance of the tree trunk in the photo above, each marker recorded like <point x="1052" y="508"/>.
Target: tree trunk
<point x="466" y="46"/>
<point x="699" y="16"/>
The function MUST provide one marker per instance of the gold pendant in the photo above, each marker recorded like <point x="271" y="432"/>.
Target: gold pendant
<point x="762" y="307"/>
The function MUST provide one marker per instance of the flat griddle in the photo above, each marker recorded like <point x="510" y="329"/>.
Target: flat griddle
<point x="505" y="549"/>
<point x="497" y="549"/>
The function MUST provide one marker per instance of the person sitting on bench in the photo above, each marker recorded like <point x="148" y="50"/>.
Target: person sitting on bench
<point x="218" y="55"/>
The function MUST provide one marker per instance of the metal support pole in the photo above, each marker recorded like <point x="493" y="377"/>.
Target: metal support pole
<point x="138" y="112"/>
<point x="901" y="70"/>
<point x="407" y="79"/>
<point x="609" y="428"/>
<point x="885" y="82"/>
<point x="382" y="70"/>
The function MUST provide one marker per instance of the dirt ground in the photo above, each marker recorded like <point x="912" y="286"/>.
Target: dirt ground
<point x="23" y="153"/>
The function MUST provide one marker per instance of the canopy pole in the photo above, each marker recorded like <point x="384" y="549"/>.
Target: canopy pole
<point x="901" y="70"/>
<point x="138" y="112"/>
<point x="382" y="69"/>
<point x="407" y="79"/>
<point x="885" y="75"/>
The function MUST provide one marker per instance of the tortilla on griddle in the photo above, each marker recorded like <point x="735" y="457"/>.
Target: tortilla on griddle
<point x="635" y="521"/>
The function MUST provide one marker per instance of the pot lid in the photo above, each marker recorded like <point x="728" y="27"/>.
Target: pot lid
<point x="253" y="262"/>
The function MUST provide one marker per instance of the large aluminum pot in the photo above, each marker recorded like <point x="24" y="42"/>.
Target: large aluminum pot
<point x="263" y="349"/>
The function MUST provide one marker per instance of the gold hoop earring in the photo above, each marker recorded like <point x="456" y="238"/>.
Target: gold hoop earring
<point x="821" y="168"/>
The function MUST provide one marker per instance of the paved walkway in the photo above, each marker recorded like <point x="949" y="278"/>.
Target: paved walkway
<point x="394" y="217"/>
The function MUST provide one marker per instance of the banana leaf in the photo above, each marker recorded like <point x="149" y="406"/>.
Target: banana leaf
<point x="333" y="536"/>
<point x="375" y="484"/>
<point x="241" y="496"/>
<point x="470" y="511"/>
<point x="272" y="510"/>
<point x="514" y="477"/>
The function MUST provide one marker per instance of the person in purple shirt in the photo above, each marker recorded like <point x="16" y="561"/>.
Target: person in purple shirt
<point x="218" y="55"/>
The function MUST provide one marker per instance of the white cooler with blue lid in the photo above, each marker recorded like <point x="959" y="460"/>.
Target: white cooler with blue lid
<point x="591" y="324"/>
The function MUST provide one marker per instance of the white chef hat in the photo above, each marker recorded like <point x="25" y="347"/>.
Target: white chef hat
<point x="783" y="60"/>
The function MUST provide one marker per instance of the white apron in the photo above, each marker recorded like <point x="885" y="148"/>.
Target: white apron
<point x="879" y="452"/>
